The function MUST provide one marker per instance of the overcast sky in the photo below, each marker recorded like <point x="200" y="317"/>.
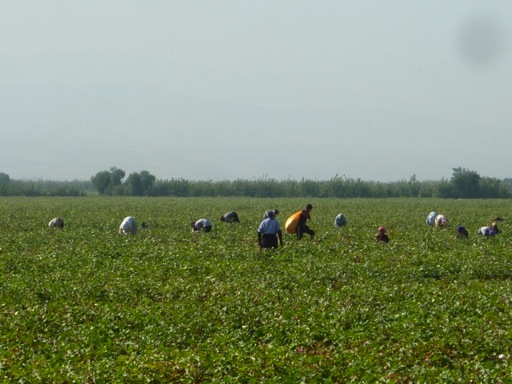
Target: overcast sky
<point x="225" y="90"/>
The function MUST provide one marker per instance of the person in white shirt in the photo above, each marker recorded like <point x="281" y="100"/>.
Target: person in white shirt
<point x="204" y="225"/>
<point x="128" y="226"/>
<point x="56" y="222"/>
<point x="486" y="231"/>
<point x="441" y="221"/>
<point x="431" y="218"/>
<point x="490" y="230"/>
<point x="269" y="232"/>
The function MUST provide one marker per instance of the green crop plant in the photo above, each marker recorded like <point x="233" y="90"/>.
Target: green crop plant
<point x="85" y="304"/>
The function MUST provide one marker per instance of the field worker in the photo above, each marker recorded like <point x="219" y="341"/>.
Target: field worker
<point x="431" y="218"/>
<point x="462" y="232"/>
<point x="487" y="231"/>
<point x="441" y="221"/>
<point x="269" y="232"/>
<point x="128" y="226"/>
<point x="230" y="217"/>
<point x="204" y="225"/>
<point x="382" y="235"/>
<point x="494" y="227"/>
<point x="56" y="222"/>
<point x="274" y="211"/>
<point x="340" y="220"/>
<point x="302" y="227"/>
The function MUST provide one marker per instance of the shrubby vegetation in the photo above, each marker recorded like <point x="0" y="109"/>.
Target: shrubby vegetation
<point x="463" y="184"/>
<point x="10" y="187"/>
<point x="87" y="305"/>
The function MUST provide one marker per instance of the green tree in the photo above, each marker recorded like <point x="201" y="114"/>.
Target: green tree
<point x="4" y="178"/>
<point x="133" y="185"/>
<point x="107" y="181"/>
<point x="139" y="184"/>
<point x="147" y="181"/>
<point x="4" y="183"/>
<point x="101" y="181"/>
<point x="466" y="183"/>
<point x="116" y="176"/>
<point x="493" y="188"/>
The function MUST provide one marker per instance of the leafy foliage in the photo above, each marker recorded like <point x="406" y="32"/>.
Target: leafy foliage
<point x="108" y="182"/>
<point x="84" y="304"/>
<point x="463" y="184"/>
<point x="466" y="183"/>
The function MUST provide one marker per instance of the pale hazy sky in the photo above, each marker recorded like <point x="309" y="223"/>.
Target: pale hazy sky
<point x="222" y="90"/>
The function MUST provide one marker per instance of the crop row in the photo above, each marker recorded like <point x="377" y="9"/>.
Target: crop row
<point x="87" y="305"/>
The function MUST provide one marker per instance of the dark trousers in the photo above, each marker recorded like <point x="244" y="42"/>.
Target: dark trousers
<point x="302" y="229"/>
<point x="269" y="241"/>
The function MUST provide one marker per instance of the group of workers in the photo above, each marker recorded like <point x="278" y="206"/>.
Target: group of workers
<point x="270" y="234"/>
<point x="205" y="225"/>
<point x="269" y="231"/>
<point x="439" y="220"/>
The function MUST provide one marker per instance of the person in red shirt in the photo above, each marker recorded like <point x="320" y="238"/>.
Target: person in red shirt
<point x="382" y="235"/>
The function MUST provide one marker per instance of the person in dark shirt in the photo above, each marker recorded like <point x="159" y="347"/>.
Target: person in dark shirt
<point x="340" y="220"/>
<point x="462" y="232"/>
<point x="56" y="222"/>
<point x="302" y="226"/>
<point x="230" y="217"/>
<point x="382" y="235"/>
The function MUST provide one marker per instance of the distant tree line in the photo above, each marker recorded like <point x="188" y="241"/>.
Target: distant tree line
<point x="10" y="187"/>
<point x="464" y="183"/>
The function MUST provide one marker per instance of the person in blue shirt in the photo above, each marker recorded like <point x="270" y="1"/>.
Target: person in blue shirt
<point x="269" y="232"/>
<point x="462" y="232"/>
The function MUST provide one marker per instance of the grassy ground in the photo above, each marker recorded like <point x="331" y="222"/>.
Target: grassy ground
<point x="86" y="304"/>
